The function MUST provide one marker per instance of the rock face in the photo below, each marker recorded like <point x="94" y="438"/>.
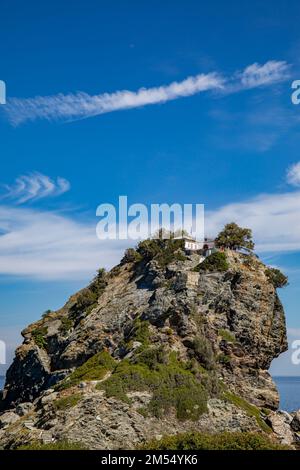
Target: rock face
<point x="224" y="328"/>
<point x="295" y="423"/>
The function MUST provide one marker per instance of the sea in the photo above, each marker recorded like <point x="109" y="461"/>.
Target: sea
<point x="289" y="391"/>
<point x="288" y="387"/>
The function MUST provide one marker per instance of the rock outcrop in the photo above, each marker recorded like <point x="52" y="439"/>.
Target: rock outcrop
<point x="152" y="346"/>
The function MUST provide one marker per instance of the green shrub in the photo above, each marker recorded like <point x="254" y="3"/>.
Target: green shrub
<point x="224" y="359"/>
<point x="151" y="357"/>
<point x="87" y="299"/>
<point x="94" y="368"/>
<point x="250" y="409"/>
<point x="164" y="251"/>
<point x="59" y="445"/>
<point x="203" y="352"/>
<point x="65" y="403"/>
<point x="277" y="278"/>
<point x="143" y="411"/>
<point x="221" y="441"/>
<point x="39" y="336"/>
<point x="46" y="313"/>
<point x="216" y="262"/>
<point x="227" y="336"/>
<point x="131" y="256"/>
<point x="234" y="237"/>
<point x="266" y="411"/>
<point x="172" y="384"/>
<point x="66" y="325"/>
<point x="140" y="332"/>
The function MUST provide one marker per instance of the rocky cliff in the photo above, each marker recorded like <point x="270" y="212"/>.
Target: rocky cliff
<point x="158" y="345"/>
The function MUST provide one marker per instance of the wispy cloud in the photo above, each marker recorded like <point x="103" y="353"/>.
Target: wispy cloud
<point x="82" y="105"/>
<point x="47" y="245"/>
<point x="33" y="187"/>
<point x="274" y="219"/>
<point x="293" y="174"/>
<point x="271" y="72"/>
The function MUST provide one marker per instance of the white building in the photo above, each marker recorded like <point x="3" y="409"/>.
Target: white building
<point x="191" y="244"/>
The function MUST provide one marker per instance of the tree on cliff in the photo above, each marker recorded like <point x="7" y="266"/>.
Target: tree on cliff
<point x="277" y="278"/>
<point x="234" y="237"/>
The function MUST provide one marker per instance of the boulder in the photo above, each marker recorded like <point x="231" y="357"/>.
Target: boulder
<point x="280" y="423"/>
<point x="24" y="408"/>
<point x="295" y="424"/>
<point x="8" y="418"/>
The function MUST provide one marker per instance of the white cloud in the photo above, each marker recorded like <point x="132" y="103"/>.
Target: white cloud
<point x="293" y="174"/>
<point x="274" y="219"/>
<point x="271" y="72"/>
<point x="81" y="105"/>
<point x="35" y="186"/>
<point x="46" y="245"/>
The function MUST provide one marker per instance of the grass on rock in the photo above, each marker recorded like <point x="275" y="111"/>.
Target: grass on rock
<point x="221" y="441"/>
<point x="251" y="410"/>
<point x="65" y="403"/>
<point x="94" y="368"/>
<point x="173" y="384"/>
<point x="59" y="445"/>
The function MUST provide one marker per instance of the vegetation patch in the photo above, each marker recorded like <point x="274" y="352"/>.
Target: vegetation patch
<point x="140" y="332"/>
<point x="59" y="445"/>
<point x="224" y="359"/>
<point x="227" y="336"/>
<point x="66" y="325"/>
<point x="88" y="298"/>
<point x="47" y="313"/>
<point x="164" y="251"/>
<point x="94" y="368"/>
<point x="151" y="356"/>
<point x="234" y="237"/>
<point x="131" y="256"/>
<point x="216" y="262"/>
<point x="204" y="353"/>
<point x="221" y="441"/>
<point x="39" y="336"/>
<point x="251" y="410"/>
<point x="277" y="278"/>
<point x="66" y="403"/>
<point x="173" y="384"/>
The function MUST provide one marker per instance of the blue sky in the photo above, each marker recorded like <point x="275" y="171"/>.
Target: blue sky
<point x="232" y="145"/>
